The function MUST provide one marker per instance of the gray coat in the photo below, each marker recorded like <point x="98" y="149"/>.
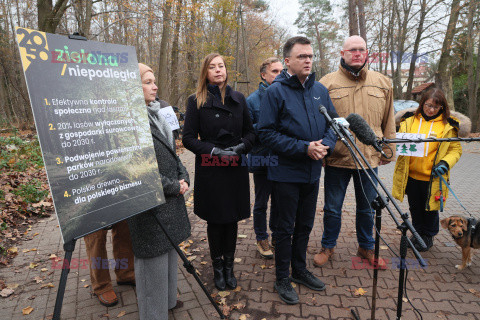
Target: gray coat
<point x="148" y="240"/>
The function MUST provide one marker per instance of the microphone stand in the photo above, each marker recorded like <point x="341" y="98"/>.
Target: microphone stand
<point x="383" y="140"/>
<point x="379" y="203"/>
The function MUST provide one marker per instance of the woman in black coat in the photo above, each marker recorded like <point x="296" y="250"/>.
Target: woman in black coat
<point x="155" y="258"/>
<point x="218" y="130"/>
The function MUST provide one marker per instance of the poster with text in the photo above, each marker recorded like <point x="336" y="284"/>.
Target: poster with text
<point x="92" y="123"/>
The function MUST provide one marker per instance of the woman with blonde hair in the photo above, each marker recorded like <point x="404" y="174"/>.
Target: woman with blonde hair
<point x="219" y="131"/>
<point x="155" y="258"/>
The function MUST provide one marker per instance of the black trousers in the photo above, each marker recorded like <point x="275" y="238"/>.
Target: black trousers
<point x="425" y="222"/>
<point x="222" y="239"/>
<point x="296" y="203"/>
<point x="263" y="190"/>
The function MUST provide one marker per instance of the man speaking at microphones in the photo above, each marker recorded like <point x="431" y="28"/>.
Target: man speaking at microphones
<point x="355" y="89"/>
<point x="292" y="127"/>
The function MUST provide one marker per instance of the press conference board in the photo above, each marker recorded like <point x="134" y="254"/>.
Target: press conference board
<point x="92" y="124"/>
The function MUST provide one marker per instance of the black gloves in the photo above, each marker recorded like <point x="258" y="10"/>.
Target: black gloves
<point x="238" y="149"/>
<point x="223" y="152"/>
<point x="233" y="151"/>
<point x="440" y="169"/>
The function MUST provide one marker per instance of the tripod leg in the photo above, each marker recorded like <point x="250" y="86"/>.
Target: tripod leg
<point x="378" y="224"/>
<point x="189" y="267"/>
<point x="401" y="278"/>
<point x="68" y="247"/>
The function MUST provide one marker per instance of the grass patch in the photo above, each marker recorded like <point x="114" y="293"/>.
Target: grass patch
<point x="18" y="155"/>
<point x="31" y="193"/>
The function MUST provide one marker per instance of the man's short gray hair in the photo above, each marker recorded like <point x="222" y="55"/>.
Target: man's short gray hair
<point x="266" y="63"/>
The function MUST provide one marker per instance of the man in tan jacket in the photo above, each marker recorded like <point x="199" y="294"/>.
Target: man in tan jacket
<point x="355" y="89"/>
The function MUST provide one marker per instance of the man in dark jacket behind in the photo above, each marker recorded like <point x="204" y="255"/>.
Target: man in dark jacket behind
<point x="294" y="129"/>
<point x="259" y="155"/>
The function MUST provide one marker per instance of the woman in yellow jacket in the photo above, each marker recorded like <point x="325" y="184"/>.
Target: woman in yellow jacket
<point x="418" y="177"/>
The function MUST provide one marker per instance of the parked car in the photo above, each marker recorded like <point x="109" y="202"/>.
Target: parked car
<point x="399" y="105"/>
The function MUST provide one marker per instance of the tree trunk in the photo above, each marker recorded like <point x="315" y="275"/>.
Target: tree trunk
<point x="476" y="121"/>
<point x="162" y="78"/>
<point x="174" y="90"/>
<point x="380" y="41"/>
<point x="245" y="49"/>
<point x="472" y="85"/>
<point x="411" y="71"/>
<point x="106" y="32"/>
<point x="149" y="59"/>
<point x="83" y="14"/>
<point x="352" y="17"/>
<point x="323" y="68"/>
<point x="190" y="44"/>
<point x="48" y="16"/>
<point x="361" y="19"/>
<point x="443" y="77"/>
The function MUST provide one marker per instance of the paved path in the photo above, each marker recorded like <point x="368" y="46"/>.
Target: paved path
<point x="438" y="292"/>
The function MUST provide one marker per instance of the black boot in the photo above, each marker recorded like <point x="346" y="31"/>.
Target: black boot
<point x="428" y="241"/>
<point x="230" y="279"/>
<point x="218" y="270"/>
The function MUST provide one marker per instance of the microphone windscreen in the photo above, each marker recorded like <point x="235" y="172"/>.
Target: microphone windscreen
<point x="362" y="130"/>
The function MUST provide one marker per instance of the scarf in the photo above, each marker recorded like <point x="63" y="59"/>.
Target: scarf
<point x="157" y="120"/>
<point x="354" y="71"/>
<point x="432" y="117"/>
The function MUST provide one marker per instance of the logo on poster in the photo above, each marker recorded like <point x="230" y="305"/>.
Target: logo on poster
<point x="33" y="45"/>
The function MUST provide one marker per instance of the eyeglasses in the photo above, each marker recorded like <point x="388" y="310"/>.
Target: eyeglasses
<point x="431" y="106"/>
<point x="356" y="50"/>
<point x="305" y="56"/>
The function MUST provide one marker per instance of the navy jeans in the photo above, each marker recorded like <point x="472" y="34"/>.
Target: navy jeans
<point x="296" y="204"/>
<point x="336" y="183"/>
<point x="263" y="190"/>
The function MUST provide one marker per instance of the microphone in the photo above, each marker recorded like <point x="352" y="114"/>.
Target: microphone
<point x="341" y="122"/>
<point x="364" y="133"/>
<point x="337" y="123"/>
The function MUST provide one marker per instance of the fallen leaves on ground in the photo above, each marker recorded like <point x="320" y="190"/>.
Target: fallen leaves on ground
<point x="223" y="294"/>
<point x="13" y="250"/>
<point x="121" y="314"/>
<point x="38" y="279"/>
<point x="359" y="292"/>
<point x="27" y="310"/>
<point x="6" y="292"/>
<point x="475" y="292"/>
<point x="24" y="191"/>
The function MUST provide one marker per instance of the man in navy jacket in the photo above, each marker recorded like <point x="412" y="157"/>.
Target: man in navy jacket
<point x="259" y="155"/>
<point x="293" y="128"/>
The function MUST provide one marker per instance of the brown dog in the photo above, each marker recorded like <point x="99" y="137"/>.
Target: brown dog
<point x="466" y="234"/>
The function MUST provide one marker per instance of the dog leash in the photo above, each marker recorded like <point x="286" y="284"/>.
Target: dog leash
<point x="442" y="179"/>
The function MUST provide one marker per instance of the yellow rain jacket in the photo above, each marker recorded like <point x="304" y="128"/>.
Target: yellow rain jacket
<point x="449" y="152"/>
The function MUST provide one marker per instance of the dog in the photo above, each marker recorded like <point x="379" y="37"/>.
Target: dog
<point x="466" y="233"/>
